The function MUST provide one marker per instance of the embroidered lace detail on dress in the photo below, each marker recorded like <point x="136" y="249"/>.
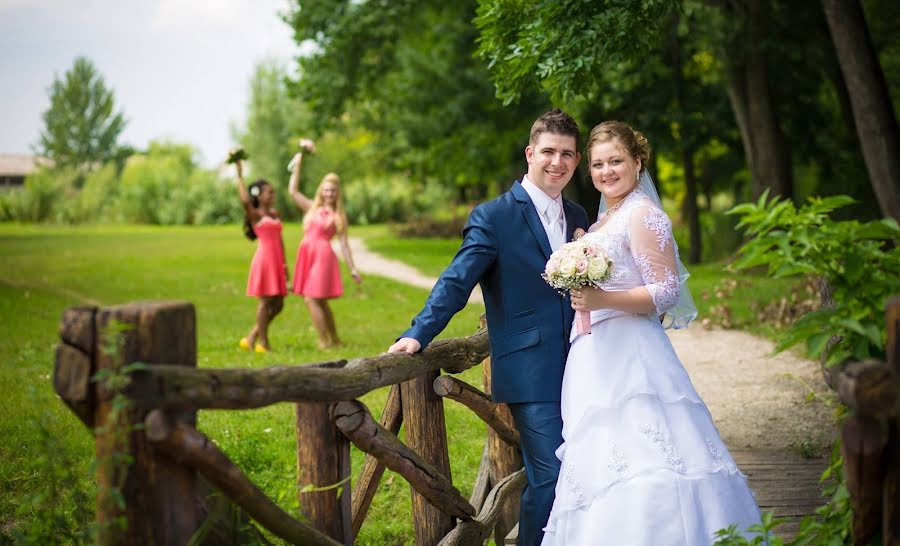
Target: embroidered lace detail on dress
<point x="663" y="291"/>
<point x="673" y="459"/>
<point x="657" y="221"/>
<point x="717" y="455"/>
<point x="574" y="488"/>
<point x="617" y="462"/>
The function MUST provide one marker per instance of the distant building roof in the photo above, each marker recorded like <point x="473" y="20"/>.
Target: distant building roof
<point x="20" y="164"/>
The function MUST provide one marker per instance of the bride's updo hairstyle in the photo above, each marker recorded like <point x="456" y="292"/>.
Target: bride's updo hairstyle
<point x="634" y="142"/>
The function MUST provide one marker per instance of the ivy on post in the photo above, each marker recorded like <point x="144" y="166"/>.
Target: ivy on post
<point x="143" y="497"/>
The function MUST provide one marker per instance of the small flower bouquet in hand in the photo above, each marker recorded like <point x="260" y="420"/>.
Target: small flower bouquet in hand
<point x="576" y="265"/>
<point x="235" y="155"/>
<point x="306" y="146"/>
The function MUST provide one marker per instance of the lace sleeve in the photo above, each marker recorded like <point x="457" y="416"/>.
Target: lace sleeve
<point x="653" y="249"/>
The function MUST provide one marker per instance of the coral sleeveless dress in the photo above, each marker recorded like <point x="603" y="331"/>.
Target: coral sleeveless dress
<point x="267" y="268"/>
<point x="317" y="274"/>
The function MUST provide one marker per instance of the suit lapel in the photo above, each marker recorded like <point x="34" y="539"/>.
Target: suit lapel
<point x="570" y="220"/>
<point x="532" y="218"/>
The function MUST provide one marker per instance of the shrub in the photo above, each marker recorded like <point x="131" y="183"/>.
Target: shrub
<point x="860" y="262"/>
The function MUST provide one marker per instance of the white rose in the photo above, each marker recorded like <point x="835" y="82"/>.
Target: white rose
<point x="597" y="269"/>
<point x="567" y="266"/>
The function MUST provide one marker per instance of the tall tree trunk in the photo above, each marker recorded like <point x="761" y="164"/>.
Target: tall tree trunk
<point x="876" y="122"/>
<point x="689" y="211"/>
<point x="689" y="205"/>
<point x="747" y="77"/>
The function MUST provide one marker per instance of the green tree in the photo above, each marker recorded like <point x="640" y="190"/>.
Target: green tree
<point x="405" y="72"/>
<point x="274" y="120"/>
<point x="81" y="126"/>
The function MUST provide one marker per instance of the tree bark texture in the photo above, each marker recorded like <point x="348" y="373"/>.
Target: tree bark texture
<point x="188" y="446"/>
<point x="862" y="444"/>
<point x="489" y="411"/>
<point x="503" y="460"/>
<point x="476" y="531"/>
<point x="373" y="469"/>
<point x="748" y="85"/>
<point x="174" y="387"/>
<point x="323" y="462"/>
<point x="890" y="534"/>
<point x="876" y="121"/>
<point x="426" y="434"/>
<point x="74" y="365"/>
<point x="158" y="493"/>
<point x="869" y="388"/>
<point x="355" y="421"/>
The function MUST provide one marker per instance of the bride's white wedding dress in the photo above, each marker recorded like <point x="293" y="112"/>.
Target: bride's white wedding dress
<point x="642" y="461"/>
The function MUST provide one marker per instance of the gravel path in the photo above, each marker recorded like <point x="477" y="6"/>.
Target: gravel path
<point x="758" y="401"/>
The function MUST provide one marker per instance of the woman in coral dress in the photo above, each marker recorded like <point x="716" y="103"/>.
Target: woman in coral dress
<point x="642" y="461"/>
<point x="268" y="270"/>
<point x="317" y="276"/>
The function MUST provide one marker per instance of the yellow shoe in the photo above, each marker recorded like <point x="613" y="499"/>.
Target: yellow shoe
<point x="244" y="343"/>
<point x="260" y="349"/>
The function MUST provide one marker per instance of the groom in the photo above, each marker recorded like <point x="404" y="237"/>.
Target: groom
<point x="506" y="243"/>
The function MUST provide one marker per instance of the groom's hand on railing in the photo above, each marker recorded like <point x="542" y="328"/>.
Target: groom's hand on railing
<point x="406" y="345"/>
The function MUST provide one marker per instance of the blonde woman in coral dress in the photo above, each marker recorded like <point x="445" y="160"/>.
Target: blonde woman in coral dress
<point x="317" y="276"/>
<point x="268" y="270"/>
<point x="642" y="462"/>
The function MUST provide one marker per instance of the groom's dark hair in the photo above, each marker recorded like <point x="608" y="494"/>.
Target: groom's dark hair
<point x="557" y="122"/>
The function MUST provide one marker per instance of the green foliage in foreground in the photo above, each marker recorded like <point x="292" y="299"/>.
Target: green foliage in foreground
<point x="859" y="261"/>
<point x="46" y="269"/>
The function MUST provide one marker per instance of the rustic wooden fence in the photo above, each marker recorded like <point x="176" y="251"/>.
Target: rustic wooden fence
<point x="167" y="492"/>
<point x="871" y="436"/>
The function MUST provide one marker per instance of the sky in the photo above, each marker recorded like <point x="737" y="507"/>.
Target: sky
<point x="179" y="69"/>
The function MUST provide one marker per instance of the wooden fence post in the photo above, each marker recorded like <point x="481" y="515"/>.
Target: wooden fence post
<point x="158" y="494"/>
<point x="323" y="460"/>
<point x="891" y="503"/>
<point x="426" y="433"/>
<point x="503" y="460"/>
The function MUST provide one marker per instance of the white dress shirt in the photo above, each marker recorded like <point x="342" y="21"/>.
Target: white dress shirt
<point x="554" y="227"/>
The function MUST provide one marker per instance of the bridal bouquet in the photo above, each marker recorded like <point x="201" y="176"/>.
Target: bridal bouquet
<point x="576" y="265"/>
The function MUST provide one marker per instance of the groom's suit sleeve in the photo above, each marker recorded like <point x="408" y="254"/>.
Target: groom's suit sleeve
<point x="474" y="258"/>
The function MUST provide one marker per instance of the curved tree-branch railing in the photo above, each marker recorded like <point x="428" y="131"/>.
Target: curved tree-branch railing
<point x="157" y="431"/>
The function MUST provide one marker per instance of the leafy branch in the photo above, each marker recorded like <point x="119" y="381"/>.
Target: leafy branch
<point x="860" y="262"/>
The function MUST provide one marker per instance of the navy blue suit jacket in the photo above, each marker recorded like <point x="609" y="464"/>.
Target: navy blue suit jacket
<point x="505" y="249"/>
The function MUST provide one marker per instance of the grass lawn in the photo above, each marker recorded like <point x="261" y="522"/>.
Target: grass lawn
<point x="46" y="269"/>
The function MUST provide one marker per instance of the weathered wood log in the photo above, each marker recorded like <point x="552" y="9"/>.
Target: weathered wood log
<point x="504" y="460"/>
<point x="188" y="446"/>
<point x="489" y="411"/>
<point x="72" y="382"/>
<point x="76" y="328"/>
<point x="426" y="434"/>
<point x="890" y="534"/>
<point x="158" y="494"/>
<point x="174" y="387"/>
<point x="75" y="362"/>
<point x="323" y="462"/>
<point x="355" y="421"/>
<point x="869" y="388"/>
<point x="475" y="532"/>
<point x="863" y="448"/>
<point x="373" y="469"/>
<point x="482" y="482"/>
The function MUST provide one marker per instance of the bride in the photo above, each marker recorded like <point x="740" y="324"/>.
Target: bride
<point x="642" y="461"/>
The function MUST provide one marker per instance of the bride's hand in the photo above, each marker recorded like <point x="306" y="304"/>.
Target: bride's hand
<point x="588" y="299"/>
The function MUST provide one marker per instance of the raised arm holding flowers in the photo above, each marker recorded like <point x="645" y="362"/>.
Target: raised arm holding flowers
<point x="268" y="269"/>
<point x="317" y="274"/>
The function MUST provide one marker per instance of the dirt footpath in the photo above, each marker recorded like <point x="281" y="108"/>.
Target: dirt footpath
<point x="757" y="401"/>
